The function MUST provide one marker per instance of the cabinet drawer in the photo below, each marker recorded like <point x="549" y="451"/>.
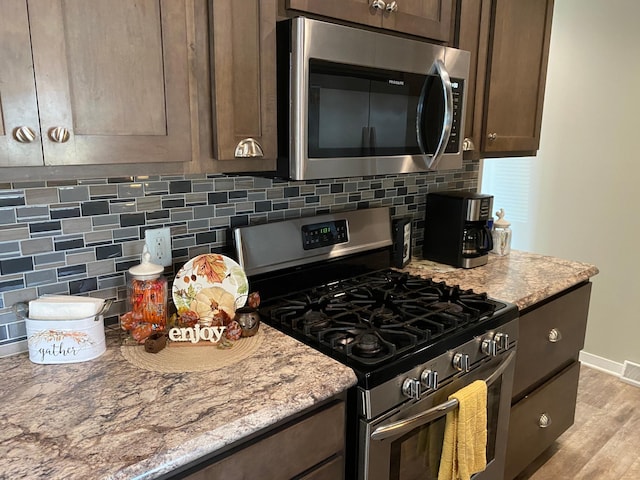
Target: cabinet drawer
<point x="287" y="453"/>
<point x="539" y="356"/>
<point x="333" y="470"/>
<point x="527" y="439"/>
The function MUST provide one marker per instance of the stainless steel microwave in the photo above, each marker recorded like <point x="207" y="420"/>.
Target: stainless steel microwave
<point x="355" y="102"/>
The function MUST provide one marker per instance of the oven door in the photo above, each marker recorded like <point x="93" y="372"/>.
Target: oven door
<point x="407" y="443"/>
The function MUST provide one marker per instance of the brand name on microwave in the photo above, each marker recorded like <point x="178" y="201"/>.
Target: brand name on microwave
<point x="396" y="82"/>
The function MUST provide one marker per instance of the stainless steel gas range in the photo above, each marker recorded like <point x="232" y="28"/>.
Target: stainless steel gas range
<point x="326" y="280"/>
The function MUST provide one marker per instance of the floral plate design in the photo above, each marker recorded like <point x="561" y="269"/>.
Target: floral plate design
<point x="205" y="273"/>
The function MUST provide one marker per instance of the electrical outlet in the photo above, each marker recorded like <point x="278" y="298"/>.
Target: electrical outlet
<point x="158" y="243"/>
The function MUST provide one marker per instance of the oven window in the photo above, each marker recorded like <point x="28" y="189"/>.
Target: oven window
<point x="357" y="111"/>
<point x="416" y="455"/>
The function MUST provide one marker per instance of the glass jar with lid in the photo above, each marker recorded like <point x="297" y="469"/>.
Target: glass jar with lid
<point x="146" y="300"/>
<point x="501" y="235"/>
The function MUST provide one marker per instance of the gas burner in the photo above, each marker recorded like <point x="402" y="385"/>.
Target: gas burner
<point x="448" y="307"/>
<point x="367" y="345"/>
<point x="314" y="321"/>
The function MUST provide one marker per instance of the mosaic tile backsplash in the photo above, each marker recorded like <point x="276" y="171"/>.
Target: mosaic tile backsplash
<point x="81" y="236"/>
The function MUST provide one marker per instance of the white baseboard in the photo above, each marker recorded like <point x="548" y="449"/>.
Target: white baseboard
<point x="602" y="364"/>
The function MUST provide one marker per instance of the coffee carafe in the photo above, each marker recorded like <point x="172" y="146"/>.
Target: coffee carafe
<point x="456" y="231"/>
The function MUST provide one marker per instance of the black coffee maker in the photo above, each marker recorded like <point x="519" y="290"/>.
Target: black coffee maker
<point x="456" y="231"/>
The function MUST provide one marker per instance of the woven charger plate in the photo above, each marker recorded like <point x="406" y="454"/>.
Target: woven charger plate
<point x="192" y="358"/>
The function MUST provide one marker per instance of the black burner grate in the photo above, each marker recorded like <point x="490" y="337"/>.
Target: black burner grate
<point x="376" y="317"/>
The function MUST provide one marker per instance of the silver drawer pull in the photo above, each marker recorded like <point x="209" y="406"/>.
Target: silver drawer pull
<point x="248" y="148"/>
<point x="554" y="335"/>
<point x="378" y="4"/>
<point x="544" y="421"/>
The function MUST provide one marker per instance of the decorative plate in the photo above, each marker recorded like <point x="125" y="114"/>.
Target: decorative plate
<point x="207" y="276"/>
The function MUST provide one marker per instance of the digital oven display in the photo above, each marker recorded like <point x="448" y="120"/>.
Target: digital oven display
<point x="324" y="234"/>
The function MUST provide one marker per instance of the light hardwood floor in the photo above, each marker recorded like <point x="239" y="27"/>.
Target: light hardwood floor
<point x="604" y="441"/>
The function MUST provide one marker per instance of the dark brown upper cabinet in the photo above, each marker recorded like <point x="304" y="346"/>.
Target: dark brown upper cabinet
<point x="425" y="18"/>
<point x="243" y="59"/>
<point x="96" y="83"/>
<point x="509" y="45"/>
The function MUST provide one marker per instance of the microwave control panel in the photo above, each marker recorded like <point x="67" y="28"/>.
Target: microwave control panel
<point x="457" y="87"/>
<point x="324" y="234"/>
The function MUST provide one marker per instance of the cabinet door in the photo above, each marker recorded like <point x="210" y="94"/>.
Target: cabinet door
<point x="18" y="107"/>
<point x="517" y="72"/>
<point x="357" y="11"/>
<point x="244" y="78"/>
<point x="426" y="18"/>
<point x="474" y="19"/>
<point x="113" y="80"/>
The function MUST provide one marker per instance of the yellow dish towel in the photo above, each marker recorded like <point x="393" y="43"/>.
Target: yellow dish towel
<point x="464" y="451"/>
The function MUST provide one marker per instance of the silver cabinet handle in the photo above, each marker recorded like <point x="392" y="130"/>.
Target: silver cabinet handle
<point x="468" y="145"/>
<point x="378" y="4"/>
<point x="403" y="426"/>
<point x="24" y="134"/>
<point x="554" y="335"/>
<point x="392" y="6"/>
<point x="59" y="134"/>
<point x="248" y="148"/>
<point x="544" y="421"/>
<point x="492" y="136"/>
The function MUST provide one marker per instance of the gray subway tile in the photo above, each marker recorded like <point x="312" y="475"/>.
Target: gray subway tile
<point x="40" y="277"/>
<point x="76" y="193"/>
<point x="127" y="190"/>
<point x="42" y="196"/>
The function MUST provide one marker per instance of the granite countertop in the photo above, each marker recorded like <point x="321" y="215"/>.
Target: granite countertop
<point x="521" y="278"/>
<point x="108" y="419"/>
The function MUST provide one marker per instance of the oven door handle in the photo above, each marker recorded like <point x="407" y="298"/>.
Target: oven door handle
<point x="403" y="426"/>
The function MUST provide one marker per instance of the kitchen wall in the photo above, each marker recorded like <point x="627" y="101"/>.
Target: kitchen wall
<point x="81" y="236"/>
<point x="580" y="198"/>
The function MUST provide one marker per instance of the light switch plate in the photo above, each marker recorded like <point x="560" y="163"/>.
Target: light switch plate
<point x="158" y="241"/>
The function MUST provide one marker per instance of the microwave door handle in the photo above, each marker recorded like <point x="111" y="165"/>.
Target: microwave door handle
<point x="404" y="426"/>
<point x="440" y="69"/>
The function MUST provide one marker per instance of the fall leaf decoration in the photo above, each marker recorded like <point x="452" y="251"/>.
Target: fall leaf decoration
<point x="212" y="267"/>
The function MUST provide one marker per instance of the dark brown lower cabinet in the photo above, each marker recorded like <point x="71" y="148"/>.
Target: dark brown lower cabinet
<point x="540" y="418"/>
<point x="310" y="447"/>
<point x="546" y="375"/>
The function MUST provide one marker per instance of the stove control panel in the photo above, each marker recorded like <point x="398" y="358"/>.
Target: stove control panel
<point x="324" y="234"/>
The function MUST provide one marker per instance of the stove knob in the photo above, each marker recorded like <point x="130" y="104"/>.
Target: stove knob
<point x="489" y="347"/>
<point x="461" y="362"/>
<point x="502" y="339"/>
<point x="411" y="388"/>
<point x="429" y="379"/>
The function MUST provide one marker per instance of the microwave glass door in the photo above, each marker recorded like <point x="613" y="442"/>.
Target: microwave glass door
<point x="359" y="112"/>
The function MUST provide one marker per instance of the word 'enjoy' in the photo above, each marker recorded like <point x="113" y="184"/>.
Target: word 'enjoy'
<point x="197" y="333"/>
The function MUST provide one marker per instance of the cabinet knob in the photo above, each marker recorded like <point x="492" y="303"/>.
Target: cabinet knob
<point x="24" y="134"/>
<point x="248" y="148"/>
<point x="492" y="136"/>
<point x="554" y="335"/>
<point x="59" y="134"/>
<point x="544" y="421"/>
<point x="378" y="4"/>
<point x="392" y="6"/>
